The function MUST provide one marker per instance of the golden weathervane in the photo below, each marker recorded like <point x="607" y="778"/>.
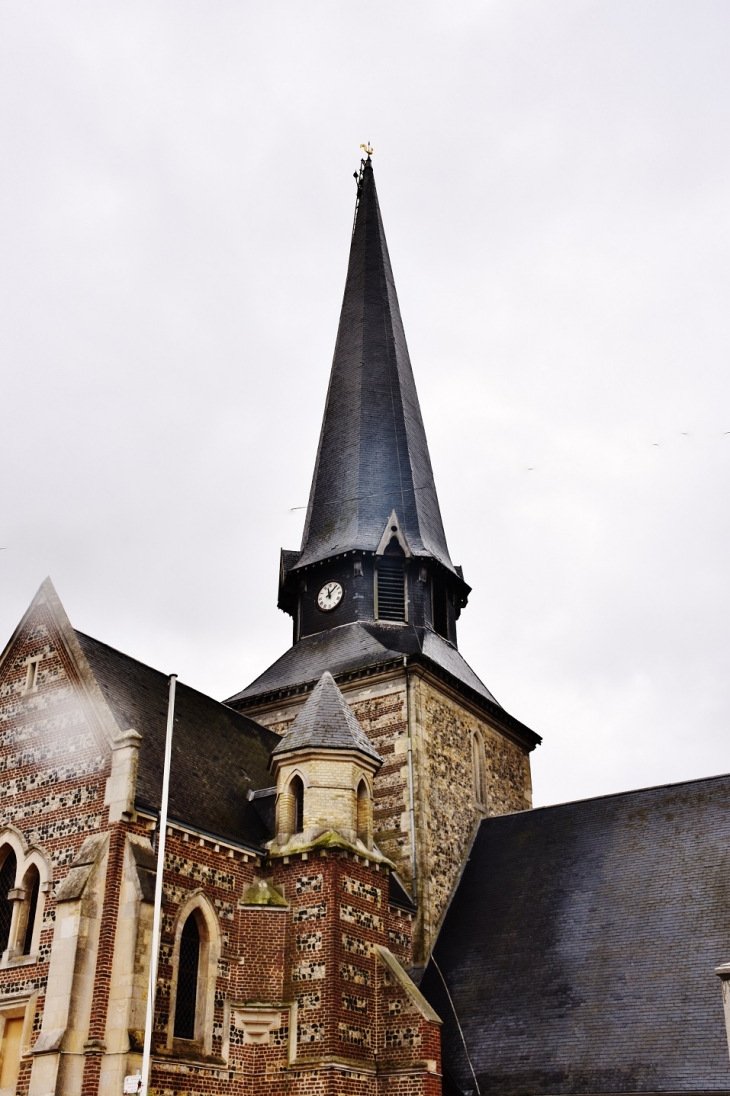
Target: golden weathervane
<point x="367" y="148"/>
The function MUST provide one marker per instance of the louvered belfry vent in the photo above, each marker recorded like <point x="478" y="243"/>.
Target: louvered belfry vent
<point x="391" y="589"/>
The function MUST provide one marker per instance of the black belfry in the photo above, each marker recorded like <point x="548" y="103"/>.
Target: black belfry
<point x="373" y="579"/>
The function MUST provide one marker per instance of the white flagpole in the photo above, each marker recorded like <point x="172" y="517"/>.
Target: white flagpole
<point x="155" y="944"/>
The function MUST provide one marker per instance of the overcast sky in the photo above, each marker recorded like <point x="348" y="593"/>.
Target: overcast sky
<point x="176" y="201"/>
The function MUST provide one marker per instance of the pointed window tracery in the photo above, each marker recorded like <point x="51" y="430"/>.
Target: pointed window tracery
<point x="7" y="882"/>
<point x="364" y="814"/>
<point x="31" y="886"/>
<point x="187" y="979"/>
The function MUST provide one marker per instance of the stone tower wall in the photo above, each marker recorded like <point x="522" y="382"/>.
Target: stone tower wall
<point x="445" y="809"/>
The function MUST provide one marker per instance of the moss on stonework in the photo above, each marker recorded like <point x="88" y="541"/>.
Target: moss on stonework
<point x="261" y="893"/>
<point x="328" y="839"/>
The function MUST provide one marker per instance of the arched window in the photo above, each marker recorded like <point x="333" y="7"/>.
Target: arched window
<point x="479" y="770"/>
<point x="291" y="809"/>
<point x="7" y="882"/>
<point x="296" y="787"/>
<point x="364" y="814"/>
<point x="195" y="955"/>
<point x="187" y="979"/>
<point x="29" y="909"/>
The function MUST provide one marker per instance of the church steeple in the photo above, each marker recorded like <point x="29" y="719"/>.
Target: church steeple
<point x="375" y="597"/>
<point x="373" y="493"/>
<point x="373" y="456"/>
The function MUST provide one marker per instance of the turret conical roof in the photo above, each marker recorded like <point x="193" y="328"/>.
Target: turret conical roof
<point x="326" y="723"/>
<point x="373" y="456"/>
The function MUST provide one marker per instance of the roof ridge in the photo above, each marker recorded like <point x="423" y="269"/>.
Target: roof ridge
<point x="612" y="795"/>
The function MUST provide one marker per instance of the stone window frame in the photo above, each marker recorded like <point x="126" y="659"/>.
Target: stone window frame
<point x="210" y="950"/>
<point x="285" y="808"/>
<point x="364" y="812"/>
<point x="32" y="664"/>
<point x="479" y="770"/>
<point x="19" y="1006"/>
<point x="26" y="858"/>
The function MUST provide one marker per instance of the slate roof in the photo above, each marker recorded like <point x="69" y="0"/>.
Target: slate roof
<point x="356" y="646"/>
<point x="326" y="723"/>
<point x="580" y="943"/>
<point x="373" y="456"/>
<point x="218" y="755"/>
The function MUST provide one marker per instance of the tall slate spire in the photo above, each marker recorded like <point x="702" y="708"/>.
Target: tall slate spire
<point x="373" y="456"/>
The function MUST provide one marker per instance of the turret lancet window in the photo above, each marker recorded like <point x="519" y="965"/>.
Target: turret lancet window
<point x="290" y="809"/>
<point x="364" y="814"/>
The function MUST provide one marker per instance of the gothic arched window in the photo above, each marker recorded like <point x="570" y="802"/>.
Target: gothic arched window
<point x="29" y="909"/>
<point x="7" y="882"/>
<point x="296" y="787"/>
<point x="290" y="809"/>
<point x="364" y="814"/>
<point x="195" y="955"/>
<point x="186" y="1000"/>
<point x="479" y="769"/>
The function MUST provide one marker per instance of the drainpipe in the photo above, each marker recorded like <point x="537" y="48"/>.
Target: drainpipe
<point x="155" y="944"/>
<point x="411" y="804"/>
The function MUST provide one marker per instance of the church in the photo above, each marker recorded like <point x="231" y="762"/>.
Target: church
<point x="358" y="897"/>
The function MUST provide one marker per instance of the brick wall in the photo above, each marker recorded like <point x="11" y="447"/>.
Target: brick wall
<point x="353" y="1021"/>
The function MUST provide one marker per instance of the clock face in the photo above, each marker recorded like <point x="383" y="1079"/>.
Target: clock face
<point x="330" y="596"/>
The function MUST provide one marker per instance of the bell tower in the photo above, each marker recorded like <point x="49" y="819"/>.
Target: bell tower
<point x="375" y="598"/>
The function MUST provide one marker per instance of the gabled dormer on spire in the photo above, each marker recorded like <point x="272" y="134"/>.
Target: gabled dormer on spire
<point x="373" y="467"/>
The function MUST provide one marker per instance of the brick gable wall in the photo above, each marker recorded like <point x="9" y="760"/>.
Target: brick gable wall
<point x="54" y="763"/>
<point x="339" y="1023"/>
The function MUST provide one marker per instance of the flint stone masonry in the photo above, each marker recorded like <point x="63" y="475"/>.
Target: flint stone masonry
<point x="305" y="972"/>
<point x="309" y="913"/>
<point x="350" y="973"/>
<point x="358" y="889"/>
<point x="363" y="918"/>
<point x="309" y="884"/>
